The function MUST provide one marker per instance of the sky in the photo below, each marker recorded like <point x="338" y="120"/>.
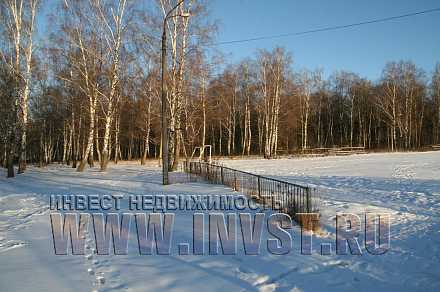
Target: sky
<point x="363" y="50"/>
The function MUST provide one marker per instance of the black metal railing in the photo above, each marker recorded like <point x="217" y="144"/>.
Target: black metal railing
<point x="283" y="196"/>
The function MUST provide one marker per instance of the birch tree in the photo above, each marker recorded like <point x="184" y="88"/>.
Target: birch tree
<point x="388" y="102"/>
<point x="308" y="83"/>
<point x="273" y="69"/>
<point x="246" y="92"/>
<point x="20" y="18"/>
<point x="110" y="18"/>
<point x="85" y="59"/>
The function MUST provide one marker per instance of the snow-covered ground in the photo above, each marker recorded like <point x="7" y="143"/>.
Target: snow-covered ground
<point x="406" y="185"/>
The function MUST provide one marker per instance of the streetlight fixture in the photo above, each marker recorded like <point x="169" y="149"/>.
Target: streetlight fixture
<point x="165" y="160"/>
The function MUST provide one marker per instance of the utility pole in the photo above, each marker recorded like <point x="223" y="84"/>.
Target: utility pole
<point x="165" y="137"/>
<point x="165" y="163"/>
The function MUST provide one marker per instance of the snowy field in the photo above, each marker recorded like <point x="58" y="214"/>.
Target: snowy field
<point x="405" y="185"/>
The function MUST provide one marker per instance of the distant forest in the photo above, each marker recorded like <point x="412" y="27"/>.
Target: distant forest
<point x="91" y="91"/>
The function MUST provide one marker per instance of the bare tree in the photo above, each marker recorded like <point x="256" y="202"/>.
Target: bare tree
<point x="112" y="27"/>
<point x="273" y="69"/>
<point x="20" y="17"/>
<point x="308" y="83"/>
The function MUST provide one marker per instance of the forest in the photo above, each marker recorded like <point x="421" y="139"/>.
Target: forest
<point x="89" y="91"/>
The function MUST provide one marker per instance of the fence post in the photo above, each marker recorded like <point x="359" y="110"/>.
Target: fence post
<point x="308" y="199"/>
<point x="188" y="170"/>
<point x="259" y="187"/>
<point x="235" y="181"/>
<point x="221" y="174"/>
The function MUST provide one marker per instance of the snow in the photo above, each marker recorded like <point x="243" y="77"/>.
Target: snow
<point x="405" y="185"/>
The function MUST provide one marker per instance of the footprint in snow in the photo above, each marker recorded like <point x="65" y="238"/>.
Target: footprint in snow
<point x="100" y="280"/>
<point x="404" y="209"/>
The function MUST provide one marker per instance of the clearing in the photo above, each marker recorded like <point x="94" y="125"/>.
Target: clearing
<point x="405" y="185"/>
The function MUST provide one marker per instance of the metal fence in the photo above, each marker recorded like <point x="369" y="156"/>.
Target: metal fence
<point x="284" y="196"/>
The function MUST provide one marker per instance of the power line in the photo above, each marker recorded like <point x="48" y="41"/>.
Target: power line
<point x="329" y="28"/>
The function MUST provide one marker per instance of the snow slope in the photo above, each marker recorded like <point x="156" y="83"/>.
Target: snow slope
<point x="407" y="185"/>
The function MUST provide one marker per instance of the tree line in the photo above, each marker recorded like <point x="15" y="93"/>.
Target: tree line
<point x="91" y="91"/>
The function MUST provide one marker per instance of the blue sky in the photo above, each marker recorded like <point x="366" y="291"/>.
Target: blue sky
<point x="363" y="50"/>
